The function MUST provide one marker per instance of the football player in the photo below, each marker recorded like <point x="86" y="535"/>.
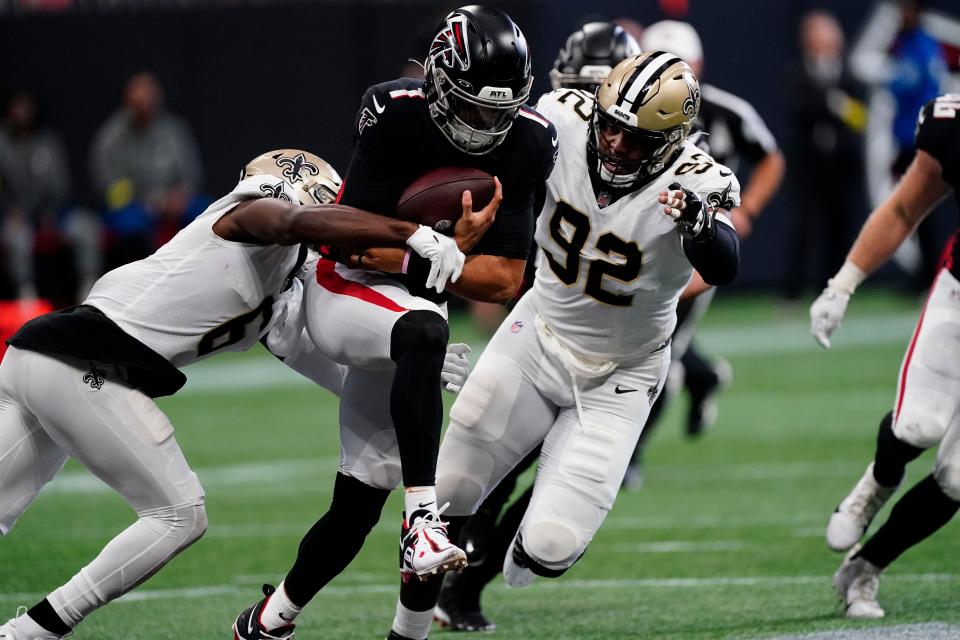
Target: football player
<point x="81" y="382"/>
<point x="631" y="209"/>
<point x="469" y="112"/>
<point x="584" y="60"/>
<point x="927" y="401"/>
<point x="735" y="133"/>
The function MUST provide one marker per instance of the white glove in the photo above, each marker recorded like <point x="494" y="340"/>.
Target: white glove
<point x="287" y="320"/>
<point x="826" y="314"/>
<point x="446" y="259"/>
<point x="456" y="367"/>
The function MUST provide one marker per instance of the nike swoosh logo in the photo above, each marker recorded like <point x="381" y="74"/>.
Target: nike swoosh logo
<point x="423" y="505"/>
<point x="283" y="617"/>
<point x="555" y="140"/>
<point x="724" y="175"/>
<point x="618" y="390"/>
<point x="376" y="105"/>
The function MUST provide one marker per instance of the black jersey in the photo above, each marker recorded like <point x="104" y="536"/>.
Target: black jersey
<point x="733" y="127"/>
<point x="938" y="133"/>
<point x="396" y="141"/>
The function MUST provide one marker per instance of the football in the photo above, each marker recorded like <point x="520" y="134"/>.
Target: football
<point x="434" y="199"/>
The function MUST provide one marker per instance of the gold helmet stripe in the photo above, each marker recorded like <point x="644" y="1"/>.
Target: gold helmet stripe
<point x="648" y="71"/>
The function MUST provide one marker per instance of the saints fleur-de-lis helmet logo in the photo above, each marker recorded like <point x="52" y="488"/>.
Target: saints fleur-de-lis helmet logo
<point x="307" y="176"/>
<point x="297" y="168"/>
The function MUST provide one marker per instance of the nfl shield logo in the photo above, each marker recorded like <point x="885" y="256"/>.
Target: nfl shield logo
<point x="603" y="199"/>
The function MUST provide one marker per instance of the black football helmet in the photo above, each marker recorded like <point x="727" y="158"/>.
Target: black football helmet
<point x="589" y="54"/>
<point x="477" y="76"/>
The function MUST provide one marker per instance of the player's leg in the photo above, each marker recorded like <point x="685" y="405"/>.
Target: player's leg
<point x="928" y="396"/>
<point x="485" y="539"/>
<point x="922" y="511"/>
<point x="28" y="457"/>
<point x="369" y="470"/>
<point x="121" y="436"/>
<point x="497" y="419"/>
<point x="369" y="321"/>
<point x="581" y="465"/>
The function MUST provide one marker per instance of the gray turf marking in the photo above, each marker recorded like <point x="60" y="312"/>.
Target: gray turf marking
<point x="926" y="631"/>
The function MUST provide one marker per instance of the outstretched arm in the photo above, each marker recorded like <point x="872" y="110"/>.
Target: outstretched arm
<point x="918" y="192"/>
<point x="275" y="221"/>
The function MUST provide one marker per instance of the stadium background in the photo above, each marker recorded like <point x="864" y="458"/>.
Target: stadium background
<point x="724" y="541"/>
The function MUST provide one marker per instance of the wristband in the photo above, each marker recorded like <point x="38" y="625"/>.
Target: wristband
<point x="848" y="278"/>
<point x="406" y="261"/>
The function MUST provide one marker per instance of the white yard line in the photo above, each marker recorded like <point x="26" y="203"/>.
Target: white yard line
<point x="142" y="595"/>
<point x="680" y="546"/>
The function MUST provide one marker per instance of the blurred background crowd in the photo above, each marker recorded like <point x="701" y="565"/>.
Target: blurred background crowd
<point x="123" y="119"/>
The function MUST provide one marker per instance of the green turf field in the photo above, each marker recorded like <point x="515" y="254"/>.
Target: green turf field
<point x="724" y="541"/>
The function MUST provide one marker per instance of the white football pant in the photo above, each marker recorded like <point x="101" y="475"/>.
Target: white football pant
<point x="927" y="406"/>
<point x="519" y="395"/>
<point x="51" y="409"/>
<point x="350" y="317"/>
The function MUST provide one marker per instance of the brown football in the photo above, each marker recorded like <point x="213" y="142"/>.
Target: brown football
<point x="434" y="199"/>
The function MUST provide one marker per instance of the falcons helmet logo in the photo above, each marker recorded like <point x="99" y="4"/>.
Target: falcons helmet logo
<point x="450" y="45"/>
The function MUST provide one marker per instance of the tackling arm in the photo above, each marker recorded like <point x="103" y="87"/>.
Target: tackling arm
<point x="275" y="221"/>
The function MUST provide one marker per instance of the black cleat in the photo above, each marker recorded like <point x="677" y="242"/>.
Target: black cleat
<point x="458" y="608"/>
<point x="247" y="625"/>
<point x="396" y="636"/>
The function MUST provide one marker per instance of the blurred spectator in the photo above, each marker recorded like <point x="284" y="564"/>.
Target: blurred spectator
<point x="917" y="72"/>
<point x="828" y="117"/>
<point x="39" y="229"/>
<point x="146" y="166"/>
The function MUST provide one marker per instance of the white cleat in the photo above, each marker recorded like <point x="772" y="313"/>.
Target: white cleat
<point x="425" y="549"/>
<point x="515" y="571"/>
<point x="853" y="516"/>
<point x="13" y="629"/>
<point x="857" y="581"/>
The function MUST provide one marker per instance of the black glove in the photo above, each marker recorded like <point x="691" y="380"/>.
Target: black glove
<point x="695" y="220"/>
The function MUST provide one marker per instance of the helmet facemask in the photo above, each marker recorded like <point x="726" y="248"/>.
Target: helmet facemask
<point x="475" y="124"/>
<point x="638" y="153"/>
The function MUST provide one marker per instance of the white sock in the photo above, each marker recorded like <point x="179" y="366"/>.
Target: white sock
<point x="420" y="498"/>
<point x="412" y="624"/>
<point x="279" y="611"/>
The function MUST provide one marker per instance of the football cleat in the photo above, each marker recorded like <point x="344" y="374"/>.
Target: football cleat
<point x="854" y="514"/>
<point x="425" y="549"/>
<point x="393" y="635"/>
<point x="457" y="611"/>
<point x="515" y="570"/>
<point x="857" y="581"/>
<point x="12" y="630"/>
<point x="247" y="625"/>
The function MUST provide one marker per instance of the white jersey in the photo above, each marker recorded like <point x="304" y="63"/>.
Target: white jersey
<point x="609" y="278"/>
<point x="200" y="294"/>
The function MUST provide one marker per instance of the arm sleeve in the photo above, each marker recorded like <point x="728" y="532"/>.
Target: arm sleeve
<point x="716" y="259"/>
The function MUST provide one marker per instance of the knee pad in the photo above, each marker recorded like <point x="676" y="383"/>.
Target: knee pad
<point x="524" y="558"/>
<point x="948" y="479"/>
<point x="185" y="523"/>
<point x="921" y="425"/>
<point x="357" y="505"/>
<point x="421" y="332"/>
